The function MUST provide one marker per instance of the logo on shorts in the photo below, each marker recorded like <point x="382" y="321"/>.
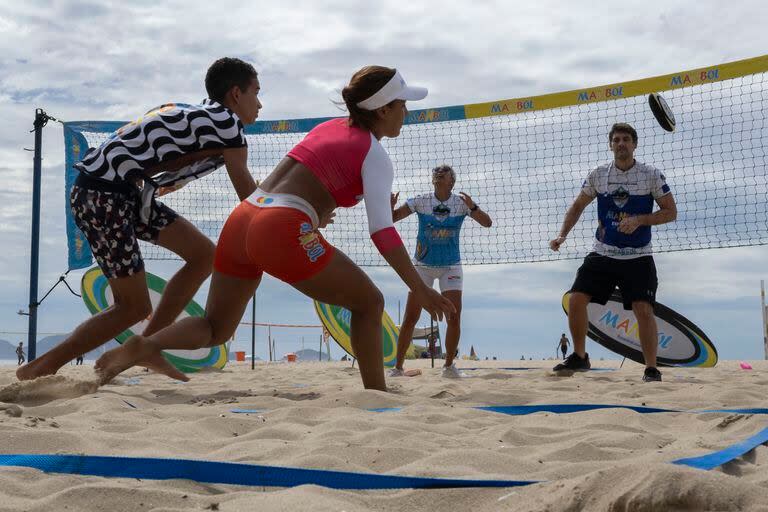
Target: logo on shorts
<point x="310" y="242"/>
<point x="264" y="200"/>
<point x="454" y="278"/>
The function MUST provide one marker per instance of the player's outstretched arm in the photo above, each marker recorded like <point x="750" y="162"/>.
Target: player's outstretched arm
<point x="399" y="213"/>
<point x="236" y="160"/>
<point x="436" y="304"/>
<point x="571" y="218"/>
<point x="475" y="212"/>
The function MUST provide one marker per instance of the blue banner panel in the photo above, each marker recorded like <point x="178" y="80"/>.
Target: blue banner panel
<point x="79" y="251"/>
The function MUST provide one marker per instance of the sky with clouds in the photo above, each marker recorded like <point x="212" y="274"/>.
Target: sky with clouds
<point x="113" y="61"/>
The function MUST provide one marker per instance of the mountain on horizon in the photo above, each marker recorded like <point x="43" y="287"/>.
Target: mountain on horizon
<point x="309" y="354"/>
<point x="8" y="348"/>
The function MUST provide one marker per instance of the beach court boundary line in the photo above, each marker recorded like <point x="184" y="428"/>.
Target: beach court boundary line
<point x="277" y="476"/>
<point x="522" y="410"/>
<point x="236" y="473"/>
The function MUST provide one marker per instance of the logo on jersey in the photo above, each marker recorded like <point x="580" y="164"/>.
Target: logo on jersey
<point x="441" y="211"/>
<point x="439" y="233"/>
<point x="421" y="251"/>
<point x="310" y="242"/>
<point x="620" y="197"/>
<point x="265" y="200"/>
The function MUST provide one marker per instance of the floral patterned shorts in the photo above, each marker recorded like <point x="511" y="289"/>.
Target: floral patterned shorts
<point x="111" y="223"/>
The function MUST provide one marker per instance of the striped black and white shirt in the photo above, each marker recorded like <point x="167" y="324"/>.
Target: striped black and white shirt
<point x="162" y="135"/>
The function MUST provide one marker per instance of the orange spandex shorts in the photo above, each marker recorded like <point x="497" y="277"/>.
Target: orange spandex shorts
<point x="264" y="235"/>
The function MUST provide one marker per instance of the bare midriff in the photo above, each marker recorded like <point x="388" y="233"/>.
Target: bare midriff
<point x="292" y="177"/>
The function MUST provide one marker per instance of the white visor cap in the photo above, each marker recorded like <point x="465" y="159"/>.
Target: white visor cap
<point x="395" y="89"/>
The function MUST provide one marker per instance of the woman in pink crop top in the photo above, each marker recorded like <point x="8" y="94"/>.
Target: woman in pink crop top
<point x="275" y="230"/>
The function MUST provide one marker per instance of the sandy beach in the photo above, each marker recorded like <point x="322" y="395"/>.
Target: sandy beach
<point x="314" y="415"/>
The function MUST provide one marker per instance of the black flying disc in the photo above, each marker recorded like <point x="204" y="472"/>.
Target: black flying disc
<point x="662" y="112"/>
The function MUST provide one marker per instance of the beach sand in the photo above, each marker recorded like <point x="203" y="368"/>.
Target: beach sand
<point x="314" y="416"/>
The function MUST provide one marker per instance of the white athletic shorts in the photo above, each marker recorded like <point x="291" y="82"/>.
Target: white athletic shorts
<point x="451" y="277"/>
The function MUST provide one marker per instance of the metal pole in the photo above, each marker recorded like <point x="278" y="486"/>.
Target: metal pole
<point x="765" y="318"/>
<point x="253" y="332"/>
<point x="432" y="339"/>
<point x="320" y="350"/>
<point x="40" y="120"/>
<point x="765" y="338"/>
<point x="269" y="340"/>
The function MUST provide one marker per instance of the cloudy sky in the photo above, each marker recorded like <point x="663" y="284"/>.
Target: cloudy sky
<point x="93" y="60"/>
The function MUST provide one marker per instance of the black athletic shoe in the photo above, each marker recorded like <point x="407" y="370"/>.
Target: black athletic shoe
<point x="652" y="375"/>
<point x="574" y="363"/>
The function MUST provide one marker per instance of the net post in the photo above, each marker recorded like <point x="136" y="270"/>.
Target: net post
<point x="41" y="118"/>
<point x="765" y="318"/>
<point x="432" y="339"/>
<point x="253" y="332"/>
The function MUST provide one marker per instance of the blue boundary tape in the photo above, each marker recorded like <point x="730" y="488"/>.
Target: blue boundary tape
<point x="720" y="457"/>
<point x="236" y="473"/>
<point x="755" y="410"/>
<point x="510" y="368"/>
<point x="277" y="476"/>
<point x="522" y="410"/>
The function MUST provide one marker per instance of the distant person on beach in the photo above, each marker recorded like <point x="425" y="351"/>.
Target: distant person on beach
<point x="20" y="353"/>
<point x="563" y="344"/>
<point x="79" y="360"/>
<point x="277" y="230"/>
<point x="441" y="214"/>
<point x="622" y="256"/>
<point x="112" y="202"/>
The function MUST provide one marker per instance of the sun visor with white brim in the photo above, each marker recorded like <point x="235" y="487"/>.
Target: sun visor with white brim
<point x="395" y="89"/>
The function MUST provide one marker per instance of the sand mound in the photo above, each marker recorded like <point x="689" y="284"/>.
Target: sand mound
<point x="43" y="389"/>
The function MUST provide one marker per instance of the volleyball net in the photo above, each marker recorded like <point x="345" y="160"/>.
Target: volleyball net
<point x="523" y="160"/>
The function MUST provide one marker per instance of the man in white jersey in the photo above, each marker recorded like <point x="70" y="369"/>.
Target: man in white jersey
<point x="441" y="215"/>
<point x="625" y="190"/>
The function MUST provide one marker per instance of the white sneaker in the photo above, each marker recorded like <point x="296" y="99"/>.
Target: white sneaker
<point x="451" y="372"/>
<point x="396" y="372"/>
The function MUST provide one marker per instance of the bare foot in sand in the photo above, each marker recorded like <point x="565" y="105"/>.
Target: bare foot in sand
<point x="158" y="364"/>
<point x="35" y="369"/>
<point x="135" y="351"/>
